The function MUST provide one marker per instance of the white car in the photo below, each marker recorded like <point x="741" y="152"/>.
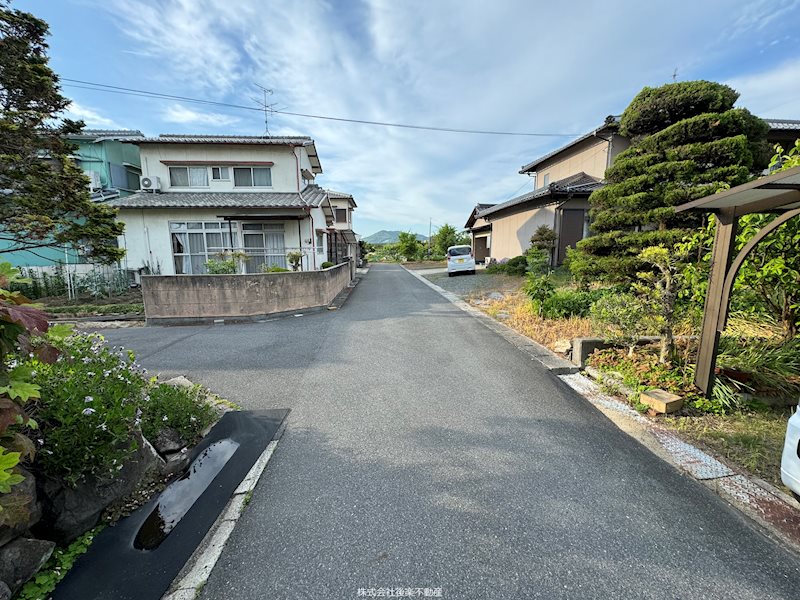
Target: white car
<point x="460" y="260"/>
<point x="790" y="461"/>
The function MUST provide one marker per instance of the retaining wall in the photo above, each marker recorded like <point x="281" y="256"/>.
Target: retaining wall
<point x="175" y="299"/>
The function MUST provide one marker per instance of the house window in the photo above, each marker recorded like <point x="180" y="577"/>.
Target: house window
<point x="188" y="176"/>
<point x="320" y="242"/>
<point x="194" y="242"/>
<point x="341" y="215"/>
<point x="220" y="174"/>
<point x="132" y="178"/>
<point x="265" y="245"/>
<point x="546" y="180"/>
<point x="252" y="177"/>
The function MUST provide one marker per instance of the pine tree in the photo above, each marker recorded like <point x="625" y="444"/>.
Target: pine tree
<point x="45" y="196"/>
<point x="687" y="141"/>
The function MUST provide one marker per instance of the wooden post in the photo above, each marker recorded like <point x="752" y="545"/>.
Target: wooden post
<point x="716" y="306"/>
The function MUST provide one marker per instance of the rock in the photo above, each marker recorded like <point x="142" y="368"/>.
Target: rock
<point x="5" y="591"/>
<point x="503" y="316"/>
<point x="177" y="462"/>
<point x="179" y="381"/>
<point x="20" y="559"/>
<point x="563" y="346"/>
<point x="22" y="500"/>
<point x="168" y="441"/>
<point x="69" y="512"/>
<point x="495" y="296"/>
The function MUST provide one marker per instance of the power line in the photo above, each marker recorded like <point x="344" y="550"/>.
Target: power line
<point x="101" y="87"/>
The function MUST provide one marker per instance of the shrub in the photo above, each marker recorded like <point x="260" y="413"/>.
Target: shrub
<point x="295" y="260"/>
<point x="273" y="269"/>
<point x="622" y="319"/>
<point x="497" y="268"/>
<point x="570" y="303"/>
<point x="183" y="409"/>
<point x="539" y="288"/>
<point x="221" y="266"/>
<point x="327" y="265"/>
<point x="517" y="266"/>
<point x="537" y="261"/>
<point x="88" y="410"/>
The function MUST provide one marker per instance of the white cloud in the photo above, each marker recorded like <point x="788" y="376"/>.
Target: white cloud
<point x="89" y="116"/>
<point x="508" y="65"/>
<point x="178" y="113"/>
<point x="773" y="92"/>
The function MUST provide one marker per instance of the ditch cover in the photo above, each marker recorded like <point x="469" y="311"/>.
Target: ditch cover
<point x="142" y="554"/>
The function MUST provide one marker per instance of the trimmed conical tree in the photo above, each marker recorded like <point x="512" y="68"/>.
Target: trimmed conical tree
<point x="687" y="141"/>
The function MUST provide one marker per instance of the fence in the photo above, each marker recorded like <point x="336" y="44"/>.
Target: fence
<point x="96" y="281"/>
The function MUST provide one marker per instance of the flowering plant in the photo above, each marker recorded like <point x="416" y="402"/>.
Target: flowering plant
<point x="89" y="409"/>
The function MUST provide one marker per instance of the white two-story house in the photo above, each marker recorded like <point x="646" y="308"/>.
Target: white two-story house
<point x="204" y="196"/>
<point x="342" y="242"/>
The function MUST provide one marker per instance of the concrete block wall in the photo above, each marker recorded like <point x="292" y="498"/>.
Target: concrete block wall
<point x="202" y="298"/>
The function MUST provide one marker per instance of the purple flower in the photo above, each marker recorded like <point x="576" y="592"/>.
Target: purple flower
<point x="88" y="411"/>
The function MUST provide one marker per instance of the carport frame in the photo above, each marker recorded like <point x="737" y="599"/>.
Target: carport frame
<point x="776" y="193"/>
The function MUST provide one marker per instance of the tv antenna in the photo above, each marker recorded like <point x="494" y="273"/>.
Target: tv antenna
<point x="265" y="105"/>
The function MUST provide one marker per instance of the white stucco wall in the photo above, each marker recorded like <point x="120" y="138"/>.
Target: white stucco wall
<point x="147" y="238"/>
<point x="343" y="203"/>
<point x="285" y="170"/>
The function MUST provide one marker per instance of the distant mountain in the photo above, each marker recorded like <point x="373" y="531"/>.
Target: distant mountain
<point x="389" y="237"/>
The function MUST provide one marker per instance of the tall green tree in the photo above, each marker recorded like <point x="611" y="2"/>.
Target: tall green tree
<point x="408" y="245"/>
<point x="687" y="141"/>
<point x="46" y="201"/>
<point x="447" y="236"/>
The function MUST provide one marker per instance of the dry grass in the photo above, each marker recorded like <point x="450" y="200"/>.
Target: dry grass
<point x="523" y="319"/>
<point x="425" y="264"/>
<point x="752" y="440"/>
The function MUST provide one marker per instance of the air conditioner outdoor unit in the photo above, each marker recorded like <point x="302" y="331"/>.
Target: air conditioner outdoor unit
<point x="152" y="184"/>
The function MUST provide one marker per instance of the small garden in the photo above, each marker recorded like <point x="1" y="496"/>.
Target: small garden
<point x="641" y="289"/>
<point x="86" y="436"/>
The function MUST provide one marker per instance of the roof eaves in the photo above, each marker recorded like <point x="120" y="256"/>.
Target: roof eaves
<point x="611" y="123"/>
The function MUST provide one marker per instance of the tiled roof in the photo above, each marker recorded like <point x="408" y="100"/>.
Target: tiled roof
<point x="611" y="122"/>
<point x="107" y="134"/>
<point x="334" y="195"/>
<point x="250" y="140"/>
<point x="580" y="183"/>
<point x="177" y="138"/>
<point x="311" y="196"/>
<point x="783" y="123"/>
<point x="473" y="216"/>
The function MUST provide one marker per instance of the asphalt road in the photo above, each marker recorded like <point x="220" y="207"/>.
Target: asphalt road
<point x="424" y="451"/>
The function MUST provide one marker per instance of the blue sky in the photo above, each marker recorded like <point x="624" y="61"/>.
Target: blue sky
<point x="508" y="65"/>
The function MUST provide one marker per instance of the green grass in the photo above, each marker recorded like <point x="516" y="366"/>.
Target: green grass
<point x="93" y="309"/>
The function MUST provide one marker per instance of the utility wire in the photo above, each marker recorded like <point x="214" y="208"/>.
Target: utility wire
<point x="101" y="87"/>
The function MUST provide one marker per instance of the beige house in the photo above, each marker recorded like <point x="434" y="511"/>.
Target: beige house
<point x="203" y="196"/>
<point x="562" y="182"/>
<point x="481" y="232"/>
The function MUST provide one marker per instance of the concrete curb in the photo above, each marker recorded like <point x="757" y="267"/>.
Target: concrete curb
<point x="549" y="360"/>
<point x="194" y="575"/>
<point x="775" y="512"/>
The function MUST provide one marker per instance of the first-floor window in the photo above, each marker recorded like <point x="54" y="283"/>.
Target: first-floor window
<point x="320" y="242"/>
<point x="194" y="242"/>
